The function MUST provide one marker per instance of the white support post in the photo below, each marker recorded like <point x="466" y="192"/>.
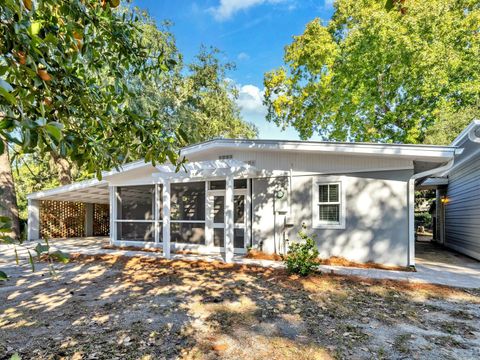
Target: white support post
<point x="411" y="222"/>
<point x="33" y="225"/>
<point x="156" y="209"/>
<point x="229" y="227"/>
<point x="166" y="219"/>
<point x="113" y="213"/>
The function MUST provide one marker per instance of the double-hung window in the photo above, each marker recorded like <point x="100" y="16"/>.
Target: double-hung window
<point x="328" y="205"/>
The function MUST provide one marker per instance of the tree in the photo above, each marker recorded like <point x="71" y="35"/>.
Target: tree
<point x="209" y="109"/>
<point x="65" y="89"/>
<point x="8" y="208"/>
<point x="372" y="74"/>
<point x="196" y="97"/>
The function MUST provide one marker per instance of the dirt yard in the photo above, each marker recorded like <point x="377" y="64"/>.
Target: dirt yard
<point x="108" y="307"/>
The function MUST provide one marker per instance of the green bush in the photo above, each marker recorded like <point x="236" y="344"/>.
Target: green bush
<point x="302" y="255"/>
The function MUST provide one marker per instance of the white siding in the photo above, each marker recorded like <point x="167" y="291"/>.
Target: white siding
<point x="309" y="163"/>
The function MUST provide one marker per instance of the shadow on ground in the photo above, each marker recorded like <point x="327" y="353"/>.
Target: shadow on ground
<point x="106" y="307"/>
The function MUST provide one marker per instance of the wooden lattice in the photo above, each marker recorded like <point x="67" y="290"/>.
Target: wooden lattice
<point x="101" y="220"/>
<point x="61" y="219"/>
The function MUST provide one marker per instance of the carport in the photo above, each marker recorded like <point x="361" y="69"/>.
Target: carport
<point x="77" y="210"/>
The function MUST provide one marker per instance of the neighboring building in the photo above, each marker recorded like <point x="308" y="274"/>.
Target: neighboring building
<point x="358" y="199"/>
<point x="457" y="212"/>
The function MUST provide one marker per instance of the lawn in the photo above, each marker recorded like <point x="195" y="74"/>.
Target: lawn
<point x="109" y="307"/>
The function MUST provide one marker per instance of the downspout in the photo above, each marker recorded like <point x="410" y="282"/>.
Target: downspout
<point x="411" y="206"/>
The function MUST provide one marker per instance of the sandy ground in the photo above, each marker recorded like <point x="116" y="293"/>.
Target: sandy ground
<point x="109" y="307"/>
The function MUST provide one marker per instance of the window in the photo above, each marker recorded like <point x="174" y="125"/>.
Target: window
<point x="187" y="211"/>
<point x="135" y="213"/>
<point x="222" y="184"/>
<point x="328" y="205"/>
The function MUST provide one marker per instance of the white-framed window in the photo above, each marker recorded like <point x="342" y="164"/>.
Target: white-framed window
<point x="328" y="204"/>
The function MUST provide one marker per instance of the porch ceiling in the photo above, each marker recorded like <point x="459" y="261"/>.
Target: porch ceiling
<point x="90" y="191"/>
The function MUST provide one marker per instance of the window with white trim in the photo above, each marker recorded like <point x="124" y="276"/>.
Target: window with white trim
<point x="328" y="205"/>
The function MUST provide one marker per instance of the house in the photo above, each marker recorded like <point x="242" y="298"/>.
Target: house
<point x="457" y="210"/>
<point x="356" y="198"/>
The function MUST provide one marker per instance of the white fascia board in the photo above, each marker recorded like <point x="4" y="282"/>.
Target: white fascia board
<point x="126" y="167"/>
<point x="67" y="188"/>
<point x="423" y="152"/>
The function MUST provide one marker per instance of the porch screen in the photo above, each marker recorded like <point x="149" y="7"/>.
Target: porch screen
<point x="135" y="218"/>
<point x="187" y="212"/>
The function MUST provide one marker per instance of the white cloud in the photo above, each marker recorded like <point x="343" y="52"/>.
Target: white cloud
<point x="243" y="56"/>
<point x="227" y="8"/>
<point x="329" y="3"/>
<point x="250" y="100"/>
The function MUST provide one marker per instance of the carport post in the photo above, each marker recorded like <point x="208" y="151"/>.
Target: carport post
<point x="166" y="218"/>
<point x="229" y="229"/>
<point x="33" y="224"/>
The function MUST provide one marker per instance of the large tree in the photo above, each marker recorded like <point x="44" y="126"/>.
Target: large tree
<point x="66" y="89"/>
<point x="380" y="73"/>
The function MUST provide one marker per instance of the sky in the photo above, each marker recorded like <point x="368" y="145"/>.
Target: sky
<point x="250" y="33"/>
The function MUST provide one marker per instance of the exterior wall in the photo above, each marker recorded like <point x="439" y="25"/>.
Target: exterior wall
<point x="308" y="162"/>
<point x="462" y="211"/>
<point x="376" y="226"/>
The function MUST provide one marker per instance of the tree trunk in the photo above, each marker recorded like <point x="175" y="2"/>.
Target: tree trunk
<point x="8" y="199"/>
<point x="64" y="169"/>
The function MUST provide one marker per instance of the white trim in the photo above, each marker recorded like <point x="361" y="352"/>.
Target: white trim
<point x="394" y="150"/>
<point x="172" y="221"/>
<point x="126" y="167"/>
<point x="326" y="180"/>
<point x="140" y="244"/>
<point x="166" y="219"/>
<point x="113" y="213"/>
<point x="67" y="188"/>
<point x="134" y="221"/>
<point x="229" y="219"/>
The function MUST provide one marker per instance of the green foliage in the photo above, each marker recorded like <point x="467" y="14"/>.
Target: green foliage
<point x="450" y="124"/>
<point x="302" y="255"/>
<point x="66" y="70"/>
<point x="423" y="219"/>
<point x="391" y="72"/>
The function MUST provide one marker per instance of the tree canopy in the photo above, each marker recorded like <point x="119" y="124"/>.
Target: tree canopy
<point x="390" y="73"/>
<point x="65" y="70"/>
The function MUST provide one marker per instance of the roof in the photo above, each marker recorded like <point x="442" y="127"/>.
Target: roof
<point x="88" y="191"/>
<point x="416" y="152"/>
<point x="97" y="190"/>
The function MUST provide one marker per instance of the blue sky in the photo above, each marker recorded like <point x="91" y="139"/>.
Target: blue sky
<point x="251" y="33"/>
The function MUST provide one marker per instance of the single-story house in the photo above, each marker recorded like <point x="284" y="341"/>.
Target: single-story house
<point x="356" y="198"/>
<point x="457" y="210"/>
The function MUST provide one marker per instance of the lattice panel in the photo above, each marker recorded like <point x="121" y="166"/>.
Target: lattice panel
<point x="61" y="219"/>
<point x="101" y="220"/>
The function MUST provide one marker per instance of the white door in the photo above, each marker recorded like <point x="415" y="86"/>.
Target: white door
<point x="216" y="220"/>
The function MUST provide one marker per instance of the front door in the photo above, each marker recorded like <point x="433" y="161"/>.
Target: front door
<point x="216" y="201"/>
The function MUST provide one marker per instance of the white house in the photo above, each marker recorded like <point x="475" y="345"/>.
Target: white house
<point x="357" y="198"/>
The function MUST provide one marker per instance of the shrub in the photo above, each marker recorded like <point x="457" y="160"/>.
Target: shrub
<point x="302" y="255"/>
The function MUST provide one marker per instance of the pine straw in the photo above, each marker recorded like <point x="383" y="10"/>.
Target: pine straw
<point x="341" y="261"/>
<point x="260" y="255"/>
<point x="314" y="282"/>
<point x="334" y="261"/>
